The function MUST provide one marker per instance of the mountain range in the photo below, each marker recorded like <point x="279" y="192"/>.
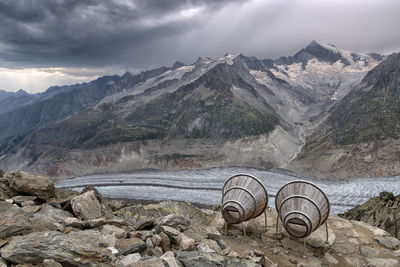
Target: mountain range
<point x="298" y="112"/>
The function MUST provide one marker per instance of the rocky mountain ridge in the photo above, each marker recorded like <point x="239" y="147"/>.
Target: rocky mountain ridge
<point x="382" y="211"/>
<point x="360" y="136"/>
<point x="45" y="226"/>
<point x="186" y="116"/>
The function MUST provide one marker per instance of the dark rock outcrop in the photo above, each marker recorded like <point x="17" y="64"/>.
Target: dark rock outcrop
<point x="77" y="248"/>
<point x="13" y="221"/>
<point x="382" y="211"/>
<point x="30" y="184"/>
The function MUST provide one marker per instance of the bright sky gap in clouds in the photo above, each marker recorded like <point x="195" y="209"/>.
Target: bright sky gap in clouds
<point x="58" y="42"/>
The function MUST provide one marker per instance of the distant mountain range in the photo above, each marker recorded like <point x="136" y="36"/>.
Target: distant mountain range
<point x="235" y="110"/>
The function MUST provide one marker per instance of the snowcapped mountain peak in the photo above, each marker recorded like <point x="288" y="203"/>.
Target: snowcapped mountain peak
<point x="228" y="58"/>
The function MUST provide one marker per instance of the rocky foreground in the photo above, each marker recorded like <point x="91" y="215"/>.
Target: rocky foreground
<point x="44" y="226"/>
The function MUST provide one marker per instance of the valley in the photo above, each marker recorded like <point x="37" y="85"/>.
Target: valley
<point x="231" y="111"/>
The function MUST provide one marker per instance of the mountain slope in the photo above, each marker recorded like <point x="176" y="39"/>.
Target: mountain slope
<point x="10" y="101"/>
<point x="371" y="112"/>
<point x="361" y="136"/>
<point x="206" y="108"/>
<point x="234" y="110"/>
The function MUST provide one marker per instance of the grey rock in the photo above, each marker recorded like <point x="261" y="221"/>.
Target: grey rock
<point x="341" y="249"/>
<point x="72" y="222"/>
<point x="145" y="223"/>
<point x="116" y="221"/>
<point x="31" y="209"/>
<point x="86" y="206"/>
<point x="21" y="199"/>
<point x="13" y="220"/>
<point x="51" y="263"/>
<point x="172" y="233"/>
<point x="329" y="259"/>
<point x="213" y="245"/>
<point x="30" y="184"/>
<point x="3" y="242"/>
<point x="169" y="259"/>
<point x="27" y="203"/>
<point x="116" y="231"/>
<point x="367" y="251"/>
<point x="94" y="223"/>
<point x="388" y="241"/>
<point x="55" y="204"/>
<point x="5" y="190"/>
<point x="265" y="261"/>
<point x="157" y="252"/>
<point x="149" y="263"/>
<point x="128" y="260"/>
<point x="175" y="221"/>
<point x="165" y="242"/>
<point x="201" y="259"/>
<point x="129" y="246"/>
<point x="149" y="244"/>
<point x="156" y="240"/>
<point x="352" y="261"/>
<point x="186" y="243"/>
<point x="77" y="248"/>
<point x="293" y="245"/>
<point x="49" y="218"/>
<point x="380" y="262"/>
<point x="146" y="234"/>
<point x="317" y="239"/>
<point x="203" y="247"/>
<point x="214" y="234"/>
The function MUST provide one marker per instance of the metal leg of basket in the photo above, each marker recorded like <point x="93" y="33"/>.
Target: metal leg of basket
<point x="326" y="228"/>
<point x="277" y="222"/>
<point x="244" y="230"/>
<point x="266" y="222"/>
<point x="305" y="246"/>
<point x="226" y="228"/>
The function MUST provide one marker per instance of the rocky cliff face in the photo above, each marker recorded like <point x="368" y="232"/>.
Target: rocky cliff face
<point x="382" y="211"/>
<point x="360" y="137"/>
<point x="61" y="227"/>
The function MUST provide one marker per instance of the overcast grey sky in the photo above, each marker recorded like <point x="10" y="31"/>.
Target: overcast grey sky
<point x="56" y="42"/>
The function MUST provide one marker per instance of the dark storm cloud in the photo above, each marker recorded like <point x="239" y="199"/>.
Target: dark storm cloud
<point x="148" y="33"/>
<point x="91" y="32"/>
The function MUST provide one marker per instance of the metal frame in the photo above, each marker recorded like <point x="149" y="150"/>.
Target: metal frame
<point x="240" y="205"/>
<point x="305" y="182"/>
<point x="299" y="212"/>
<point x="256" y="179"/>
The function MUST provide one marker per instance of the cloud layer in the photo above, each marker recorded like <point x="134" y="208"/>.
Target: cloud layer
<point x="140" y="34"/>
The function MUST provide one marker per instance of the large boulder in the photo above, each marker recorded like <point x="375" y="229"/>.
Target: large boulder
<point x="130" y="246"/>
<point x="31" y="184"/>
<point x="13" y="220"/>
<point x="5" y="190"/>
<point x="84" y="248"/>
<point x="49" y="218"/>
<point x="86" y="206"/>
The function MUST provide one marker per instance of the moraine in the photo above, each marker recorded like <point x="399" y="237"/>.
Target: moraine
<point x="204" y="186"/>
